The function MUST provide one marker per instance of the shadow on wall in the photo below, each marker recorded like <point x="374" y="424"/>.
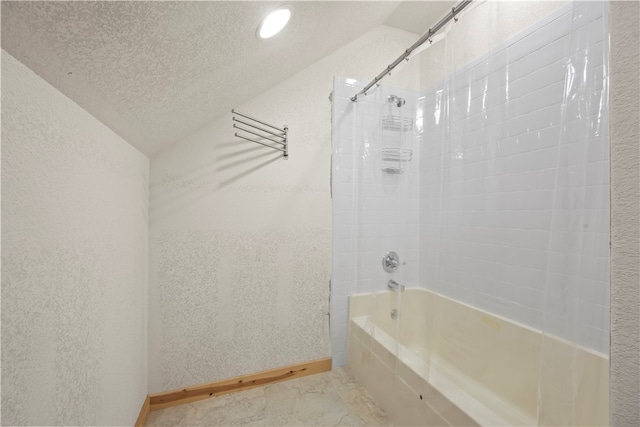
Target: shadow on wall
<point x="237" y="160"/>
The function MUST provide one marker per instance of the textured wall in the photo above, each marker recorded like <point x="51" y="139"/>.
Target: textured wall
<point x="625" y="214"/>
<point x="74" y="264"/>
<point x="240" y="239"/>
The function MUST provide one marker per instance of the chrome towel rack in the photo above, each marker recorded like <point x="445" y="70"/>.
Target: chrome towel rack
<point x="267" y="137"/>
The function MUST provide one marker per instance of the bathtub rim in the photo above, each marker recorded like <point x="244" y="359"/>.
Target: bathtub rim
<point x="540" y="332"/>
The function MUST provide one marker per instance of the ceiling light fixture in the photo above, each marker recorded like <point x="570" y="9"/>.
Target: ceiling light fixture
<point x="274" y="22"/>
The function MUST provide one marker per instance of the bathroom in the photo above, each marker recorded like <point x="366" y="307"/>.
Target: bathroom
<point x="147" y="248"/>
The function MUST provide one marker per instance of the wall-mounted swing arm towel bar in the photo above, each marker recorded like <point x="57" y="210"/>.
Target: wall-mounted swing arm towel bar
<point x="261" y="133"/>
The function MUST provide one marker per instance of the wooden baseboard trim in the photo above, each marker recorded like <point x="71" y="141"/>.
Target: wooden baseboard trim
<point x="144" y="412"/>
<point x="204" y="391"/>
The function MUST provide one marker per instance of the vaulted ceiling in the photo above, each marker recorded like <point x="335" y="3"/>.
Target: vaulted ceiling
<point x="155" y="72"/>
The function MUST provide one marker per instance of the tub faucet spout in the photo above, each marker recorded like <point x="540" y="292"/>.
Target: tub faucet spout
<point x="395" y="286"/>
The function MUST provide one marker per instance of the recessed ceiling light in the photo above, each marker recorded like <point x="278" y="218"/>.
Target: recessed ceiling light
<point x="274" y="22"/>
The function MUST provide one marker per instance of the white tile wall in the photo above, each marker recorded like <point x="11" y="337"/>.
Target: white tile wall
<point x="373" y="212"/>
<point x="515" y="180"/>
<point x="505" y="204"/>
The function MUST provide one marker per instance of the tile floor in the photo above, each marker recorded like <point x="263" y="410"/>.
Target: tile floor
<point x="332" y="398"/>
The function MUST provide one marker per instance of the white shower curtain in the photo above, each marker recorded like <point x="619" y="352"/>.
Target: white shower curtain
<point x="504" y="204"/>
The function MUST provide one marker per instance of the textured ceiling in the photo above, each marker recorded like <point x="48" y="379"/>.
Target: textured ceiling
<point x="157" y="71"/>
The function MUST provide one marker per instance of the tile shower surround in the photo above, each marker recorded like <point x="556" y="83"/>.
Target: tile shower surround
<point x="488" y="195"/>
<point x="387" y="213"/>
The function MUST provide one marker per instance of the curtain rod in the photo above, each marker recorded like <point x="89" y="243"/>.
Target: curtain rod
<point x="451" y="15"/>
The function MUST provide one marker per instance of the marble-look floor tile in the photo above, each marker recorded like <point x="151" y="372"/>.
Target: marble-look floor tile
<point x="332" y="398"/>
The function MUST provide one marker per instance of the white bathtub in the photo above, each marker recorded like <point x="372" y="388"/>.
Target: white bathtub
<point x="453" y="364"/>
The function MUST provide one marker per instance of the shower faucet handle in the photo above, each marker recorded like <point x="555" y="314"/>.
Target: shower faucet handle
<point x="395" y="286"/>
<point x="390" y="262"/>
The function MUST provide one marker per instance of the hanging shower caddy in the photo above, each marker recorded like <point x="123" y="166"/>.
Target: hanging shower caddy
<point x="394" y="126"/>
<point x="267" y="134"/>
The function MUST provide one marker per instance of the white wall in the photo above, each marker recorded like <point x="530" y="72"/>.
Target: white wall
<point x="625" y="214"/>
<point x="74" y="262"/>
<point x="240" y="239"/>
